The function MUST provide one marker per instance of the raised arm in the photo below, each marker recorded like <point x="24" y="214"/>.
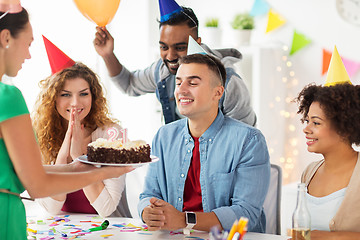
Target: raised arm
<point x="104" y="46"/>
<point x="134" y="83"/>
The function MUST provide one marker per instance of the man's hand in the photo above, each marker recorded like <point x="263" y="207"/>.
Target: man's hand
<point x="162" y="215"/>
<point x="103" y="42"/>
<point x="153" y="217"/>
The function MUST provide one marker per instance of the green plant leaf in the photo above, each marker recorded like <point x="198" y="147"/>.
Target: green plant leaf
<point x="213" y="22"/>
<point x="243" y="21"/>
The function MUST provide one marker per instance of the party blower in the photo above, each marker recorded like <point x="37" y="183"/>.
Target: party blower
<point x="99" y="12"/>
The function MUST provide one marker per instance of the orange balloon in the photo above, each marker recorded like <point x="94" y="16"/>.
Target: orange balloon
<point x="100" y="12"/>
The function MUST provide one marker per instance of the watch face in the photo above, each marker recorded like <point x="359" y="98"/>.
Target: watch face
<point x="349" y="10"/>
<point x="190" y="218"/>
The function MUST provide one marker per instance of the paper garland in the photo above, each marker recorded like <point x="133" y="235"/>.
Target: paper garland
<point x="275" y="21"/>
<point x="299" y="41"/>
<point x="351" y="66"/>
<point x="260" y="7"/>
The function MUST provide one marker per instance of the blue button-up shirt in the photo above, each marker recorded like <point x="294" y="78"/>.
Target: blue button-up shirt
<point x="234" y="175"/>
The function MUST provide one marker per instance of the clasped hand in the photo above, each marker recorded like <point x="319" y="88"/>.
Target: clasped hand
<point x="162" y="215"/>
<point x="72" y="144"/>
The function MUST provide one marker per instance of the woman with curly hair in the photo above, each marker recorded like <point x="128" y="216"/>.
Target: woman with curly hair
<point x="332" y="114"/>
<point x="75" y="92"/>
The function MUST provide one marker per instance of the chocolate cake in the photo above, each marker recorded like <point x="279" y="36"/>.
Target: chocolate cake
<point x="105" y="151"/>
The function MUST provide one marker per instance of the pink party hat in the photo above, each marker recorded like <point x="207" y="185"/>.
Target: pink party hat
<point x="168" y="8"/>
<point x="194" y="47"/>
<point x="57" y="59"/>
<point x="10" y="6"/>
<point x="336" y="73"/>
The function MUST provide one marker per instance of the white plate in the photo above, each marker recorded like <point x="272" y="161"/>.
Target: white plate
<point x="84" y="159"/>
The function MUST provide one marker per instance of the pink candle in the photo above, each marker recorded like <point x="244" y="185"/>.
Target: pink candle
<point x="124" y="135"/>
<point x="113" y="134"/>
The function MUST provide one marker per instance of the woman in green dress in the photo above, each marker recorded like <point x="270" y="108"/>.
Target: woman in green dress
<point x="20" y="159"/>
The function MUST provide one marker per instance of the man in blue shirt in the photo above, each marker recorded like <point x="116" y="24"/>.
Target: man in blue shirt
<point x="209" y="164"/>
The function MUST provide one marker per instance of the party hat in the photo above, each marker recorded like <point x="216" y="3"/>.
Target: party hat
<point x="168" y="8"/>
<point x="10" y="6"/>
<point x="336" y="73"/>
<point x="194" y="47"/>
<point x="57" y="59"/>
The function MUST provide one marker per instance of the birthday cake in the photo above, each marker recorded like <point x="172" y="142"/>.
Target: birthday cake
<point x="105" y="151"/>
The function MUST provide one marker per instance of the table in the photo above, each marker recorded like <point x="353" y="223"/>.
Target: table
<point x="120" y="228"/>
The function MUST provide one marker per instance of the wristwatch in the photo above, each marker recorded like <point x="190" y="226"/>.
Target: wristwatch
<point x="190" y="222"/>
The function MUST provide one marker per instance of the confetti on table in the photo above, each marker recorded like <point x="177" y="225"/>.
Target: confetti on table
<point x="145" y="233"/>
<point x="118" y="225"/>
<point x="106" y="235"/>
<point x="41" y="222"/>
<point x="175" y="233"/>
<point x="130" y="230"/>
<point x="46" y="238"/>
<point x="64" y="228"/>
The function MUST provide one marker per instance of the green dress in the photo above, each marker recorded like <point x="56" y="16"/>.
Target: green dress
<point x="12" y="210"/>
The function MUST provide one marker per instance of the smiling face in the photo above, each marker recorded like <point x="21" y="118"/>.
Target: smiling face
<point x="320" y="135"/>
<point x="197" y="91"/>
<point x="18" y="50"/>
<point x="173" y="44"/>
<point x="75" y="94"/>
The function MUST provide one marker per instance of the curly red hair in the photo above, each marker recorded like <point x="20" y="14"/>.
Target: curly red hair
<point x="47" y="122"/>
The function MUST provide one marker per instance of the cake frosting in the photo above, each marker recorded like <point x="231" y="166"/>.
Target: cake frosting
<point x="105" y="151"/>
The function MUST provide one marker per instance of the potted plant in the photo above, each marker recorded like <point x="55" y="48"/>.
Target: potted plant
<point x="212" y="33"/>
<point x="212" y="22"/>
<point x="243" y="24"/>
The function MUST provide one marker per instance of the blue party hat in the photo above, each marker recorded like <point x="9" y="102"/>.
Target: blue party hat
<point x="167" y="9"/>
<point x="194" y="47"/>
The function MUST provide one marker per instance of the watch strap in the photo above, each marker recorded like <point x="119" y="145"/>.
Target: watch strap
<point x="190" y="222"/>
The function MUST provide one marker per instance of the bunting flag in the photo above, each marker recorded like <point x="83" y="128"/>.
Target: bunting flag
<point x="351" y="66"/>
<point x="337" y="73"/>
<point x="326" y="61"/>
<point x="299" y="41"/>
<point x="274" y="21"/>
<point x="260" y="7"/>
